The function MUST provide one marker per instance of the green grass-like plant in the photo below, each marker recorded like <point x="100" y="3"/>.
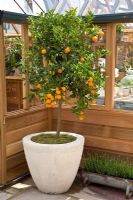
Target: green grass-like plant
<point x="107" y="165"/>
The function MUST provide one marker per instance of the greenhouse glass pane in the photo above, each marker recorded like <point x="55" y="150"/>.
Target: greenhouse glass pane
<point x="123" y="93"/>
<point x="83" y="6"/>
<point x="11" y="6"/>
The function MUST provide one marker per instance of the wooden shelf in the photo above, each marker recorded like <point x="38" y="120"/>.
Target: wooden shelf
<point x="124" y="43"/>
<point x="14" y="77"/>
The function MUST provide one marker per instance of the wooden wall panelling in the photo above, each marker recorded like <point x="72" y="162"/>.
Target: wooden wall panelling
<point x="17" y="171"/>
<point x="14" y="148"/>
<point x="19" y="124"/>
<point x="117" y="145"/>
<point x="115" y="118"/>
<point x="16" y="166"/>
<point x="110" y="65"/>
<point x="25" y="119"/>
<point x="102" y="137"/>
<point x="2" y="109"/>
<point x="18" y="134"/>
<point x="107" y="130"/>
<point x="110" y="118"/>
<point x="14" y="93"/>
<point x="15" y="145"/>
<point x="97" y="130"/>
<point x="25" y="38"/>
<point x="15" y="160"/>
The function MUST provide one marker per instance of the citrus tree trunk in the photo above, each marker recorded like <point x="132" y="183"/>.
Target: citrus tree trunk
<point x="59" y="118"/>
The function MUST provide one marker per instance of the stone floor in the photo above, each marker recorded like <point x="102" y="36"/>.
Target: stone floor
<point x="26" y="190"/>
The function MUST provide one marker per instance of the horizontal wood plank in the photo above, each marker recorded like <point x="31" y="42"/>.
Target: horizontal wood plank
<point x="15" y="160"/>
<point x="17" y="171"/>
<point x="96" y="130"/>
<point x="17" y="121"/>
<point x="108" y="138"/>
<point x="109" y="144"/>
<point x="14" y="148"/>
<point x="100" y="117"/>
<point x="16" y="135"/>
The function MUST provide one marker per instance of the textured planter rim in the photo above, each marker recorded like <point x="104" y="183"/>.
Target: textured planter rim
<point x="28" y="137"/>
<point x="112" y="181"/>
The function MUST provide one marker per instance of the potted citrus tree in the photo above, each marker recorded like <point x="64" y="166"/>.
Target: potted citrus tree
<point x="62" y="63"/>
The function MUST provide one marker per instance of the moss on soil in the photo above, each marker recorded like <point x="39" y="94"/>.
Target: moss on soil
<point x="53" y="139"/>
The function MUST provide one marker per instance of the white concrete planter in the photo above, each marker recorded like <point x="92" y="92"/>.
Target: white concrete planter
<point x="118" y="92"/>
<point x="126" y="91"/>
<point x="131" y="89"/>
<point x="53" y="167"/>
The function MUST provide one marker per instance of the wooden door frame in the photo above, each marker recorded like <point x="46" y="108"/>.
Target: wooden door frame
<point x="2" y="109"/>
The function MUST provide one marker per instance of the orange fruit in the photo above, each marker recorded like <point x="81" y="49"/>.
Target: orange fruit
<point x="60" y="71"/>
<point x="39" y="86"/>
<point x="48" y="105"/>
<point x="58" y="96"/>
<point x="81" y="117"/>
<point x="63" y="89"/>
<point x="94" y="86"/>
<point x="81" y="113"/>
<point x="92" y="92"/>
<point x="44" y="51"/>
<point x="101" y="34"/>
<point x="90" y="79"/>
<point x="52" y="73"/>
<point x="94" y="39"/>
<point x="48" y="101"/>
<point x="67" y="50"/>
<point x="49" y="96"/>
<point x="90" y="83"/>
<point x="93" y="101"/>
<point x="52" y="98"/>
<point x="58" y="92"/>
<point x="56" y="88"/>
<point x="53" y="103"/>
<point x="82" y="59"/>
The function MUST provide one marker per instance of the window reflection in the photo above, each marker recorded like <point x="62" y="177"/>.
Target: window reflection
<point x="124" y="67"/>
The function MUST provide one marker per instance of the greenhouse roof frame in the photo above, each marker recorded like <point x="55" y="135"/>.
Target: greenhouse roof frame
<point x="7" y="17"/>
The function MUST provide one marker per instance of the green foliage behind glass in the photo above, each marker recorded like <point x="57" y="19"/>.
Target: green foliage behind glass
<point x="14" y="53"/>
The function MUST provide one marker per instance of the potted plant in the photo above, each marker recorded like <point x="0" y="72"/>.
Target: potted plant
<point x="120" y="31"/>
<point x="61" y="64"/>
<point x="127" y="84"/>
<point x="118" y="92"/>
<point x="114" y="171"/>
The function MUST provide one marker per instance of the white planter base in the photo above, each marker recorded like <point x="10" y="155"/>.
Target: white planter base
<point x="53" y="167"/>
